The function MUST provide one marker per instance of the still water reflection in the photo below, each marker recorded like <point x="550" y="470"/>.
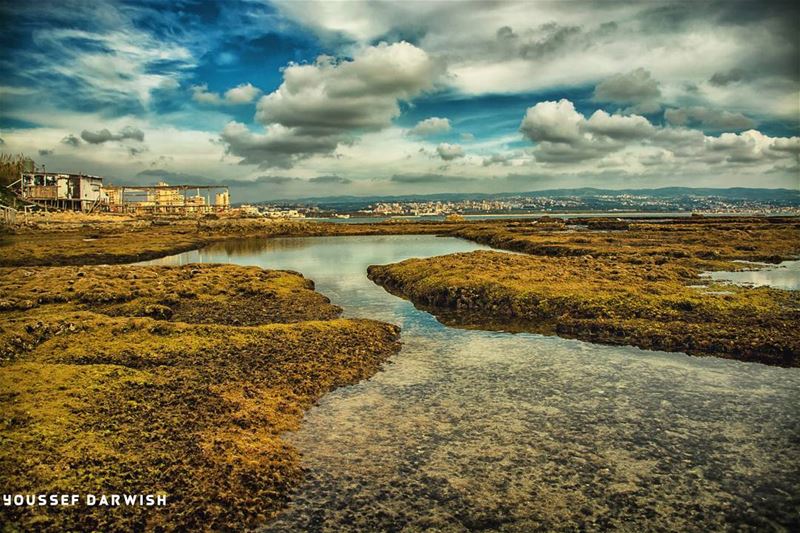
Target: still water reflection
<point x="785" y="275"/>
<point x="467" y="430"/>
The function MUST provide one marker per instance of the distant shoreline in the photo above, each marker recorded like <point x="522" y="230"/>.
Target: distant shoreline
<point x="356" y="219"/>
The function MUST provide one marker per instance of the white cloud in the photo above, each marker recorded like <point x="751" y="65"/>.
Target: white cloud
<point x="619" y="126"/>
<point x="552" y="122"/>
<point x="117" y="67"/>
<point x="448" y="151"/>
<point x="431" y="126"/>
<point x="328" y="103"/>
<point x="241" y="94"/>
<point x="720" y="55"/>
<point x="564" y="136"/>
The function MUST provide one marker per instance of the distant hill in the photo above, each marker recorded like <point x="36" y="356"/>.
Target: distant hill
<point x="732" y="193"/>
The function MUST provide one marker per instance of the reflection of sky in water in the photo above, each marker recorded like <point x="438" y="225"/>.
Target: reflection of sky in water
<point x="783" y="276"/>
<point x="472" y="430"/>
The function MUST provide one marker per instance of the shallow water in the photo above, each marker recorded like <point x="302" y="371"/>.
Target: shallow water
<point x="785" y="275"/>
<point x="467" y="430"/>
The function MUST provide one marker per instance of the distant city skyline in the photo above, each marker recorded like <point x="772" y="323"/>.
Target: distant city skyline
<point x="289" y="99"/>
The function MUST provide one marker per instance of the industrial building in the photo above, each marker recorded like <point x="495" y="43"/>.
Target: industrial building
<point x="166" y="199"/>
<point x="72" y="192"/>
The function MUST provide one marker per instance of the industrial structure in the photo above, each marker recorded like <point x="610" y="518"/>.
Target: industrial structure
<point x="164" y="199"/>
<point x="71" y="192"/>
<point x="83" y="192"/>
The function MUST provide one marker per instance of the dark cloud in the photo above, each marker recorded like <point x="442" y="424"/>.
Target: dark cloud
<point x="181" y="178"/>
<point x="45" y="152"/>
<point x="330" y="179"/>
<point x="276" y="180"/>
<point x="633" y="87"/>
<point x="71" y="140"/>
<point x="734" y="75"/>
<point x="104" y="135"/>
<point x="555" y="38"/>
<point x="703" y="117"/>
<point x="428" y="179"/>
<point x="279" y="147"/>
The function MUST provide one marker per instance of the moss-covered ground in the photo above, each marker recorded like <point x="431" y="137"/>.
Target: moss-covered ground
<point x="630" y="285"/>
<point x="165" y="380"/>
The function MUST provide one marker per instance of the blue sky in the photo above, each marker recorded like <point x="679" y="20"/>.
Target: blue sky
<point x="391" y="97"/>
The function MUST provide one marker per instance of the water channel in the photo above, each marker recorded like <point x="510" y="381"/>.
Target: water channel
<point x="478" y="430"/>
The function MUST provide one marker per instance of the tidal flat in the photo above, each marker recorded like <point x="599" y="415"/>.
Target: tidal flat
<point x="180" y="380"/>
<point x="617" y="282"/>
<point x="186" y="378"/>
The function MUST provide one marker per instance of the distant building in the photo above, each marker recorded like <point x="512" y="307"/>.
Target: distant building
<point x="73" y="192"/>
<point x="164" y="198"/>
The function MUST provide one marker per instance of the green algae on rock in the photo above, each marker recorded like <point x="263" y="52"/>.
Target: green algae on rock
<point x="646" y="303"/>
<point x="98" y="399"/>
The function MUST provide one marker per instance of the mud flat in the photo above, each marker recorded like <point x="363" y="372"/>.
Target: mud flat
<point x="624" y="286"/>
<point x="173" y="381"/>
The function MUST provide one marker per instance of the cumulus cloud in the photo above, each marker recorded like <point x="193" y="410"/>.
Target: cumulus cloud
<point x="636" y="88"/>
<point x="241" y="94"/>
<point x="104" y="135"/>
<point x="552" y="122"/>
<point x="752" y="146"/>
<point x="563" y="135"/>
<point x="619" y="126"/>
<point x="431" y="126"/>
<point x="448" y="151"/>
<point x="708" y="118"/>
<point x="330" y="102"/>
<point x="333" y="96"/>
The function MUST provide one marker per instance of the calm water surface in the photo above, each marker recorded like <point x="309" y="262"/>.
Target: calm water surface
<point x="785" y="275"/>
<point x="473" y="430"/>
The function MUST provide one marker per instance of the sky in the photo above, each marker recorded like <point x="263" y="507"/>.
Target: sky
<point x="291" y="99"/>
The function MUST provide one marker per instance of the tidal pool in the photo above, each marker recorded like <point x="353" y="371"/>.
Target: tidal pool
<point x="785" y="275"/>
<point x="477" y="430"/>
